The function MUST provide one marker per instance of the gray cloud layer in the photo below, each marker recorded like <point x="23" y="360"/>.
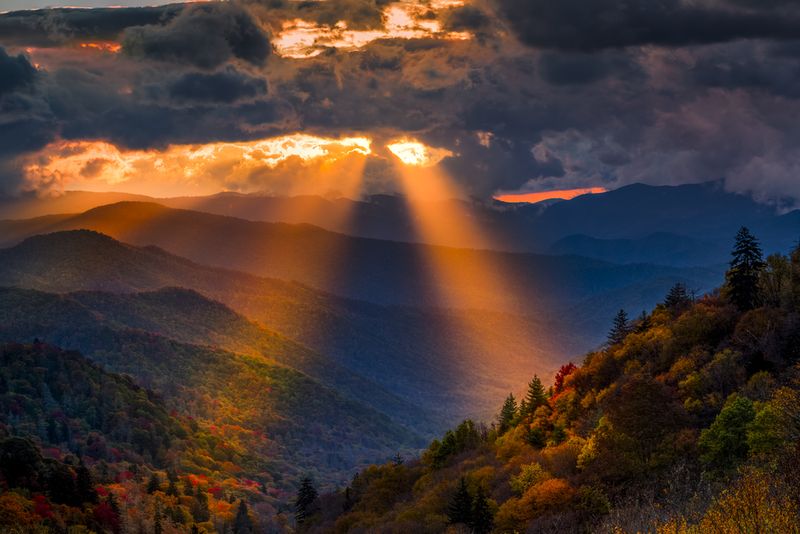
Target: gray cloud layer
<point x="602" y="92"/>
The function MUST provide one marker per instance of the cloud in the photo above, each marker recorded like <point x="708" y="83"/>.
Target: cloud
<point x="225" y="86"/>
<point x="202" y="35"/>
<point x="598" y="24"/>
<point x="15" y="72"/>
<point x="54" y="27"/>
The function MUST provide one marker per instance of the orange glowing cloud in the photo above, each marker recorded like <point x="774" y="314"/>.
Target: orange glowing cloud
<point x="562" y="194"/>
<point x="102" y="46"/>
<point x="302" y="39"/>
<point x="199" y="169"/>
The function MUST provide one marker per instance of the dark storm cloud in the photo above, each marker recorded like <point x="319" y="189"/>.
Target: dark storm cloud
<point x="226" y="86"/>
<point x="466" y="18"/>
<point x="15" y="72"/>
<point x="597" y="24"/>
<point x="203" y="35"/>
<point x="569" y="68"/>
<point x="52" y="27"/>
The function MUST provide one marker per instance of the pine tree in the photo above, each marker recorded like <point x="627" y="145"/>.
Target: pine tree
<point x="746" y="265"/>
<point x="398" y="460"/>
<point x="154" y="484"/>
<point x="535" y="396"/>
<point x="84" y="484"/>
<point x="306" y="499"/>
<point x="619" y="329"/>
<point x="242" y="524"/>
<point x="678" y="297"/>
<point x="482" y="516"/>
<point x="508" y="413"/>
<point x="200" y="510"/>
<point x="460" y="509"/>
<point x="158" y="528"/>
<point x="644" y="323"/>
<point x="172" y="489"/>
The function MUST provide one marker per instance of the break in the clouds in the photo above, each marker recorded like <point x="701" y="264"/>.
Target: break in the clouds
<point x="516" y="95"/>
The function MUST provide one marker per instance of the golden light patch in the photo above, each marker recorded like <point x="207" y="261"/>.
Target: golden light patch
<point x="412" y="152"/>
<point x="98" y="164"/>
<point x="302" y="39"/>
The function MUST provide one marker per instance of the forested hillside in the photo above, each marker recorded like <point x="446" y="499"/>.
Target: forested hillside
<point x="687" y="420"/>
<point x="281" y="422"/>
<point x="400" y="348"/>
<point x="83" y="450"/>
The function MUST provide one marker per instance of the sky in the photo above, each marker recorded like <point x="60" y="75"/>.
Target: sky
<point x="504" y="97"/>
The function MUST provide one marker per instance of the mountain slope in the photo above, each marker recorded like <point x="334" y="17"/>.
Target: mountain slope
<point x="704" y="211"/>
<point x="403" y="349"/>
<point x="373" y="270"/>
<point x="284" y="421"/>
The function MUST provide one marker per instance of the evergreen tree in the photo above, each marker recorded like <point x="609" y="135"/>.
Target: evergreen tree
<point x="460" y="509"/>
<point x="619" y="329"/>
<point x="746" y="265"/>
<point x="154" y="484"/>
<point x="678" y="297"/>
<point x="200" y="510"/>
<point x="194" y="529"/>
<point x="242" y="524"/>
<point x="84" y="484"/>
<point x="158" y="528"/>
<point x="482" y="516"/>
<point x="172" y="489"/>
<point x="508" y="413"/>
<point x="398" y="460"/>
<point x="535" y="396"/>
<point x="304" y="506"/>
<point x="644" y="323"/>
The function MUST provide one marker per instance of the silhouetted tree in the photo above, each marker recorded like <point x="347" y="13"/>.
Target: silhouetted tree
<point x="158" y="528"/>
<point x="242" y="524"/>
<point x="84" y="484"/>
<point x="508" y="413"/>
<point x="305" y="504"/>
<point x="746" y="265"/>
<point x="482" y="516"/>
<point x="644" y="323"/>
<point x="154" y="484"/>
<point x="460" y="509"/>
<point x="619" y="329"/>
<point x="678" y="297"/>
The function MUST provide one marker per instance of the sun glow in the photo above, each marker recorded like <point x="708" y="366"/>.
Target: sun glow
<point x="406" y="20"/>
<point x="95" y="165"/>
<point x="414" y="153"/>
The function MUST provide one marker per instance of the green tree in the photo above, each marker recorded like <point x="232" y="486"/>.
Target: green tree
<point x="305" y="504"/>
<point x="534" y="397"/>
<point x="459" y="512"/>
<point x="619" y="328"/>
<point x="742" y="278"/>
<point x="482" y="515"/>
<point x="508" y="413"/>
<point x="242" y="524"/>
<point x="724" y="444"/>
